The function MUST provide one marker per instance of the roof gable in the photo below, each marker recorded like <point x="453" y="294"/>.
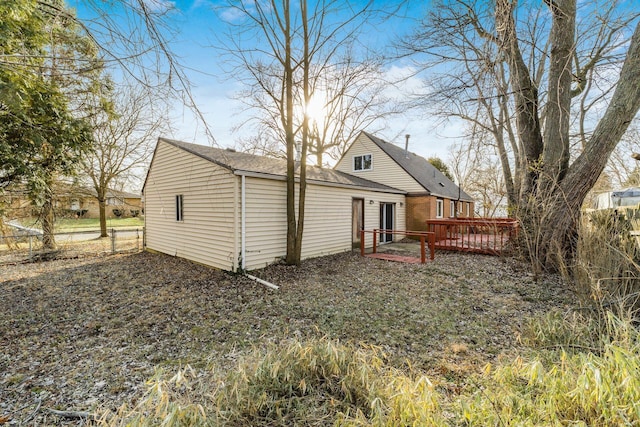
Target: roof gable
<point x="243" y="163"/>
<point x="427" y="175"/>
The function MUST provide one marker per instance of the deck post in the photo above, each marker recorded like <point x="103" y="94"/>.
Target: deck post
<point x="422" y="253"/>
<point x="432" y="249"/>
<point x="361" y="242"/>
<point x="375" y="240"/>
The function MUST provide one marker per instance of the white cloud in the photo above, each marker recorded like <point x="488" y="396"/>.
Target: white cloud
<point x="231" y="14"/>
<point x="404" y="82"/>
<point x="201" y="3"/>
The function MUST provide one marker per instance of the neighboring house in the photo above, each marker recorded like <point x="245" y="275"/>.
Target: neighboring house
<point x="84" y="203"/>
<point x="78" y="202"/>
<point x="430" y="194"/>
<point x="228" y="210"/>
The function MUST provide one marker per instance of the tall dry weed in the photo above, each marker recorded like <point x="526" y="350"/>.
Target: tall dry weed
<point x="607" y="265"/>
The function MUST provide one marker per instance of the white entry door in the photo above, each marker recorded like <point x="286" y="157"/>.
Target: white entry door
<point x="387" y="221"/>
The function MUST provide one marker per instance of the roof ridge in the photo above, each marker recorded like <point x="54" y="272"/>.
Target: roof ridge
<point x="412" y="164"/>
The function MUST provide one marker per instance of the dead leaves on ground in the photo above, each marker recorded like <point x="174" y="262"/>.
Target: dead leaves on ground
<point x="86" y="333"/>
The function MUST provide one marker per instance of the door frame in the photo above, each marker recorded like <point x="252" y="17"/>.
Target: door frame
<point x="384" y="221"/>
<point x="355" y="233"/>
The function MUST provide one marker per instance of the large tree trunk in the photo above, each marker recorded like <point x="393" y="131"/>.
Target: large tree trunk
<point x="101" y="192"/>
<point x="290" y="140"/>
<point x="302" y="191"/>
<point x="102" y="208"/>
<point x="525" y="94"/>
<point x="564" y="208"/>
<point x="47" y="218"/>
<point x="558" y="107"/>
<point x="553" y="192"/>
<point x="319" y="155"/>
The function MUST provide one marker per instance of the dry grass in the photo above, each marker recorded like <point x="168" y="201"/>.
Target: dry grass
<point x="319" y="382"/>
<point x="85" y="334"/>
<point x="607" y="268"/>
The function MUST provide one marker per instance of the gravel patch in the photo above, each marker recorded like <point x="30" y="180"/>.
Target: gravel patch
<point x="85" y="334"/>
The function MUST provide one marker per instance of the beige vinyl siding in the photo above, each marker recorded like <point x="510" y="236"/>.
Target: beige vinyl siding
<point x="328" y="218"/>
<point x="207" y="233"/>
<point x="327" y="225"/>
<point x="265" y="221"/>
<point x="384" y="169"/>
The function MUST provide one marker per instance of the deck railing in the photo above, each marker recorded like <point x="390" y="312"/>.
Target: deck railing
<point x="424" y="236"/>
<point x="480" y="235"/>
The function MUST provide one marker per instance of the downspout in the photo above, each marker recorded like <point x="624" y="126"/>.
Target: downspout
<point x="243" y="217"/>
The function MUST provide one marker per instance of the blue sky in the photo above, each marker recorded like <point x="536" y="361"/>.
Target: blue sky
<point x="196" y="23"/>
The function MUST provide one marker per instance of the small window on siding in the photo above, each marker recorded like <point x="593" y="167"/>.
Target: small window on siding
<point x="362" y="163"/>
<point x="468" y="208"/>
<point x="179" y="208"/>
<point x="439" y="208"/>
<point x="452" y="208"/>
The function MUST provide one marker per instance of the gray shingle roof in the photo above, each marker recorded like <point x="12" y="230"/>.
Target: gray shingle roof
<point x="240" y="163"/>
<point x="433" y="181"/>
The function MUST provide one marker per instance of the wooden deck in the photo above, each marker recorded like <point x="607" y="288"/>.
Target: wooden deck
<point x="478" y="235"/>
<point x="425" y="238"/>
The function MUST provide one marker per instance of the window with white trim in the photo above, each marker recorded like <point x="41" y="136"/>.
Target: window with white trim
<point x="468" y="208"/>
<point x="179" y="208"/>
<point x="439" y="208"/>
<point x="362" y="163"/>
<point x="452" y="208"/>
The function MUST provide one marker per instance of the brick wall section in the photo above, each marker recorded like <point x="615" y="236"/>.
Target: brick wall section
<point x="420" y="209"/>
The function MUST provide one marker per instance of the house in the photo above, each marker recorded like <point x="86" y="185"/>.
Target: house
<point x="84" y="203"/>
<point x="228" y="209"/>
<point x="75" y="202"/>
<point x="430" y="194"/>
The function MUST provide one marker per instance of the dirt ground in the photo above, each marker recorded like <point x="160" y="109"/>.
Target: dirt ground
<point x="84" y="334"/>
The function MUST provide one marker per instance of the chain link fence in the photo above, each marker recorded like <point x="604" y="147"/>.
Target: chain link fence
<point x="25" y="245"/>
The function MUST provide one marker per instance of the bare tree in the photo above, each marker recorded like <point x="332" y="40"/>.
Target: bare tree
<point x="133" y="37"/>
<point x="129" y="35"/>
<point x="348" y="96"/>
<point x="282" y="78"/>
<point x="123" y="142"/>
<point x="477" y="170"/>
<point x="541" y="79"/>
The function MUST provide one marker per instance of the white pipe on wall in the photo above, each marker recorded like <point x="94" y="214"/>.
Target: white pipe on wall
<point x="243" y="217"/>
